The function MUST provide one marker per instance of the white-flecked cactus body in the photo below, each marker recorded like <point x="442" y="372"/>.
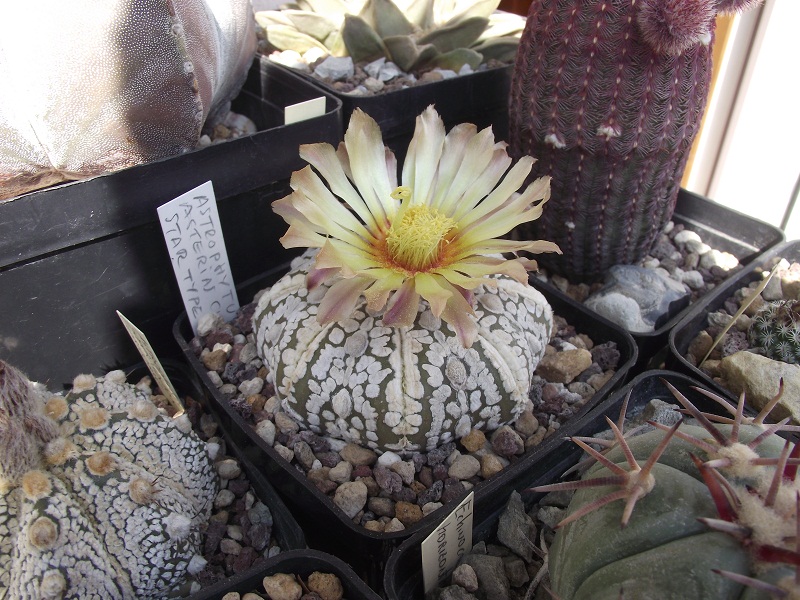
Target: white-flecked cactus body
<point x="115" y="505"/>
<point x="400" y="389"/>
<point x="92" y="86"/>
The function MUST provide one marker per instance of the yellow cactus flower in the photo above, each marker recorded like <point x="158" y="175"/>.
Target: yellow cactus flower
<point x="433" y="236"/>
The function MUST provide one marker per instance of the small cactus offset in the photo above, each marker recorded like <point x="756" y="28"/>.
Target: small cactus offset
<point x="609" y="96"/>
<point x="775" y="329"/>
<point x="423" y="34"/>
<point x="706" y="511"/>
<point x="103" y="496"/>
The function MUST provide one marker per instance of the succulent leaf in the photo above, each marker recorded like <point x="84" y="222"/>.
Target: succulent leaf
<point x="420" y="13"/>
<point x="466" y="10"/>
<point x="456" y="59"/>
<point x="284" y="37"/>
<point x="503" y="24"/>
<point x="314" y="24"/>
<point x="386" y="18"/>
<point x="407" y="55"/>
<point x="459" y="34"/>
<point x="361" y="40"/>
<point x="503" y="49"/>
<point x="332" y="7"/>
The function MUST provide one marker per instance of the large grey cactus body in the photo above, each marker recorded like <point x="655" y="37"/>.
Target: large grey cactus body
<point x="91" y="86"/>
<point x="400" y="389"/>
<point x="111" y="504"/>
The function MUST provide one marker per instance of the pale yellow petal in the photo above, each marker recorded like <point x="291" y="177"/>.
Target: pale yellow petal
<point x="470" y="212"/>
<point x="367" y="158"/>
<point x="477" y="156"/>
<point x="386" y="281"/>
<point x="431" y="288"/>
<point x="401" y="310"/>
<point x="459" y="315"/>
<point x="476" y="194"/>
<point x="500" y="246"/>
<point x="455" y="145"/>
<point x="299" y="235"/>
<point x="424" y="153"/>
<point x="340" y="300"/>
<point x="336" y="254"/>
<point x="325" y="160"/>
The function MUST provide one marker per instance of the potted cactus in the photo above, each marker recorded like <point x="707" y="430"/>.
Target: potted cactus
<point x="112" y="108"/>
<point x="609" y="97"/>
<point x="403" y="330"/>
<point x="706" y="511"/>
<point x="470" y="38"/>
<point x="102" y="495"/>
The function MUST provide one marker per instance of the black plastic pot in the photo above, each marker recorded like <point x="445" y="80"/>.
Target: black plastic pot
<point x="480" y="98"/>
<point x="286" y="530"/>
<point x="296" y="562"/>
<point x="326" y="526"/>
<point x="403" y="577"/>
<point x="696" y="318"/>
<point x="71" y="255"/>
<point x="722" y="228"/>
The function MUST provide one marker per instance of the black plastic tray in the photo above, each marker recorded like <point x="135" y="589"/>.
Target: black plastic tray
<point x="480" y="98"/>
<point x="71" y="255"/>
<point x="696" y="318"/>
<point x="327" y="527"/>
<point x="403" y="579"/>
<point x="721" y="228"/>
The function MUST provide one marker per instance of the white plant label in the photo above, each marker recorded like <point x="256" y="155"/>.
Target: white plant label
<point x="304" y="110"/>
<point x="443" y="548"/>
<point x="197" y="250"/>
<point x="153" y="364"/>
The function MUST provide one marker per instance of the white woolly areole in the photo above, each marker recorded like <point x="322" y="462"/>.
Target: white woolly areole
<point x="197" y="564"/>
<point x="213" y="449"/>
<point x="741" y="457"/>
<point x="183" y="423"/>
<point x="83" y="383"/>
<point x="117" y="376"/>
<point x="53" y="585"/>
<point x="768" y="525"/>
<point x="178" y="526"/>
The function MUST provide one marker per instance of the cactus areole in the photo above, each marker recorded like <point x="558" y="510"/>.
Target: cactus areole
<point x="102" y="496"/>
<point x="609" y="96"/>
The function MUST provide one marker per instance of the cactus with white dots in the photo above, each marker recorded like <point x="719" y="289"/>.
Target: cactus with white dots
<point x="102" y="495"/>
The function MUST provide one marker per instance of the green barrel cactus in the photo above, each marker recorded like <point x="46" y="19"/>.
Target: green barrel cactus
<point x="707" y="511"/>
<point x="400" y="389"/>
<point x="775" y="329"/>
<point x="102" y="496"/>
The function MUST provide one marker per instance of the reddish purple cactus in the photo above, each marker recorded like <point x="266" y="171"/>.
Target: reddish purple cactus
<point x="609" y="97"/>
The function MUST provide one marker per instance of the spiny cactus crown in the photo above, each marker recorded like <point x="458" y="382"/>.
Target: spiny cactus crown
<point x="421" y="34"/>
<point x="749" y="473"/>
<point x="775" y="328"/>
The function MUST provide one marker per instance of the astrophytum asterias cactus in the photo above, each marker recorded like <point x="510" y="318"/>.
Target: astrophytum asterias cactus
<point x="406" y="329"/>
<point x="609" y="96"/>
<point x="414" y="35"/>
<point x="92" y="86"/>
<point x="701" y="511"/>
<point x="102" y="496"/>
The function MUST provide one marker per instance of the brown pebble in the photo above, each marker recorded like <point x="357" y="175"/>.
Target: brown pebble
<point x="327" y="585"/>
<point x="490" y="465"/>
<point x="256" y="402"/>
<point x="215" y="360"/>
<point x="407" y="513"/>
<point x="474" y="440"/>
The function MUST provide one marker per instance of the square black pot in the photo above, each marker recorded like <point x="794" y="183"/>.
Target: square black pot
<point x="403" y="577"/>
<point x="325" y="525"/>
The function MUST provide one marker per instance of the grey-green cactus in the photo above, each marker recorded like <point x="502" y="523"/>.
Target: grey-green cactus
<point x="401" y="389"/>
<point x="417" y="35"/>
<point x="704" y="511"/>
<point x="102" y="497"/>
<point x="93" y="86"/>
<point x="775" y="329"/>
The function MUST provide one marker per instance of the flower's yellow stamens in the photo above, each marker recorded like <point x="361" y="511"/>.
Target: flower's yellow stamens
<point x="415" y="241"/>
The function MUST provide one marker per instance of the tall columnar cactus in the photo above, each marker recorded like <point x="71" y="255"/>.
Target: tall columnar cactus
<point x="609" y="96"/>
<point x="775" y="328"/>
<point x="102" y="496"/>
<point x="705" y="511"/>
<point x="93" y="86"/>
